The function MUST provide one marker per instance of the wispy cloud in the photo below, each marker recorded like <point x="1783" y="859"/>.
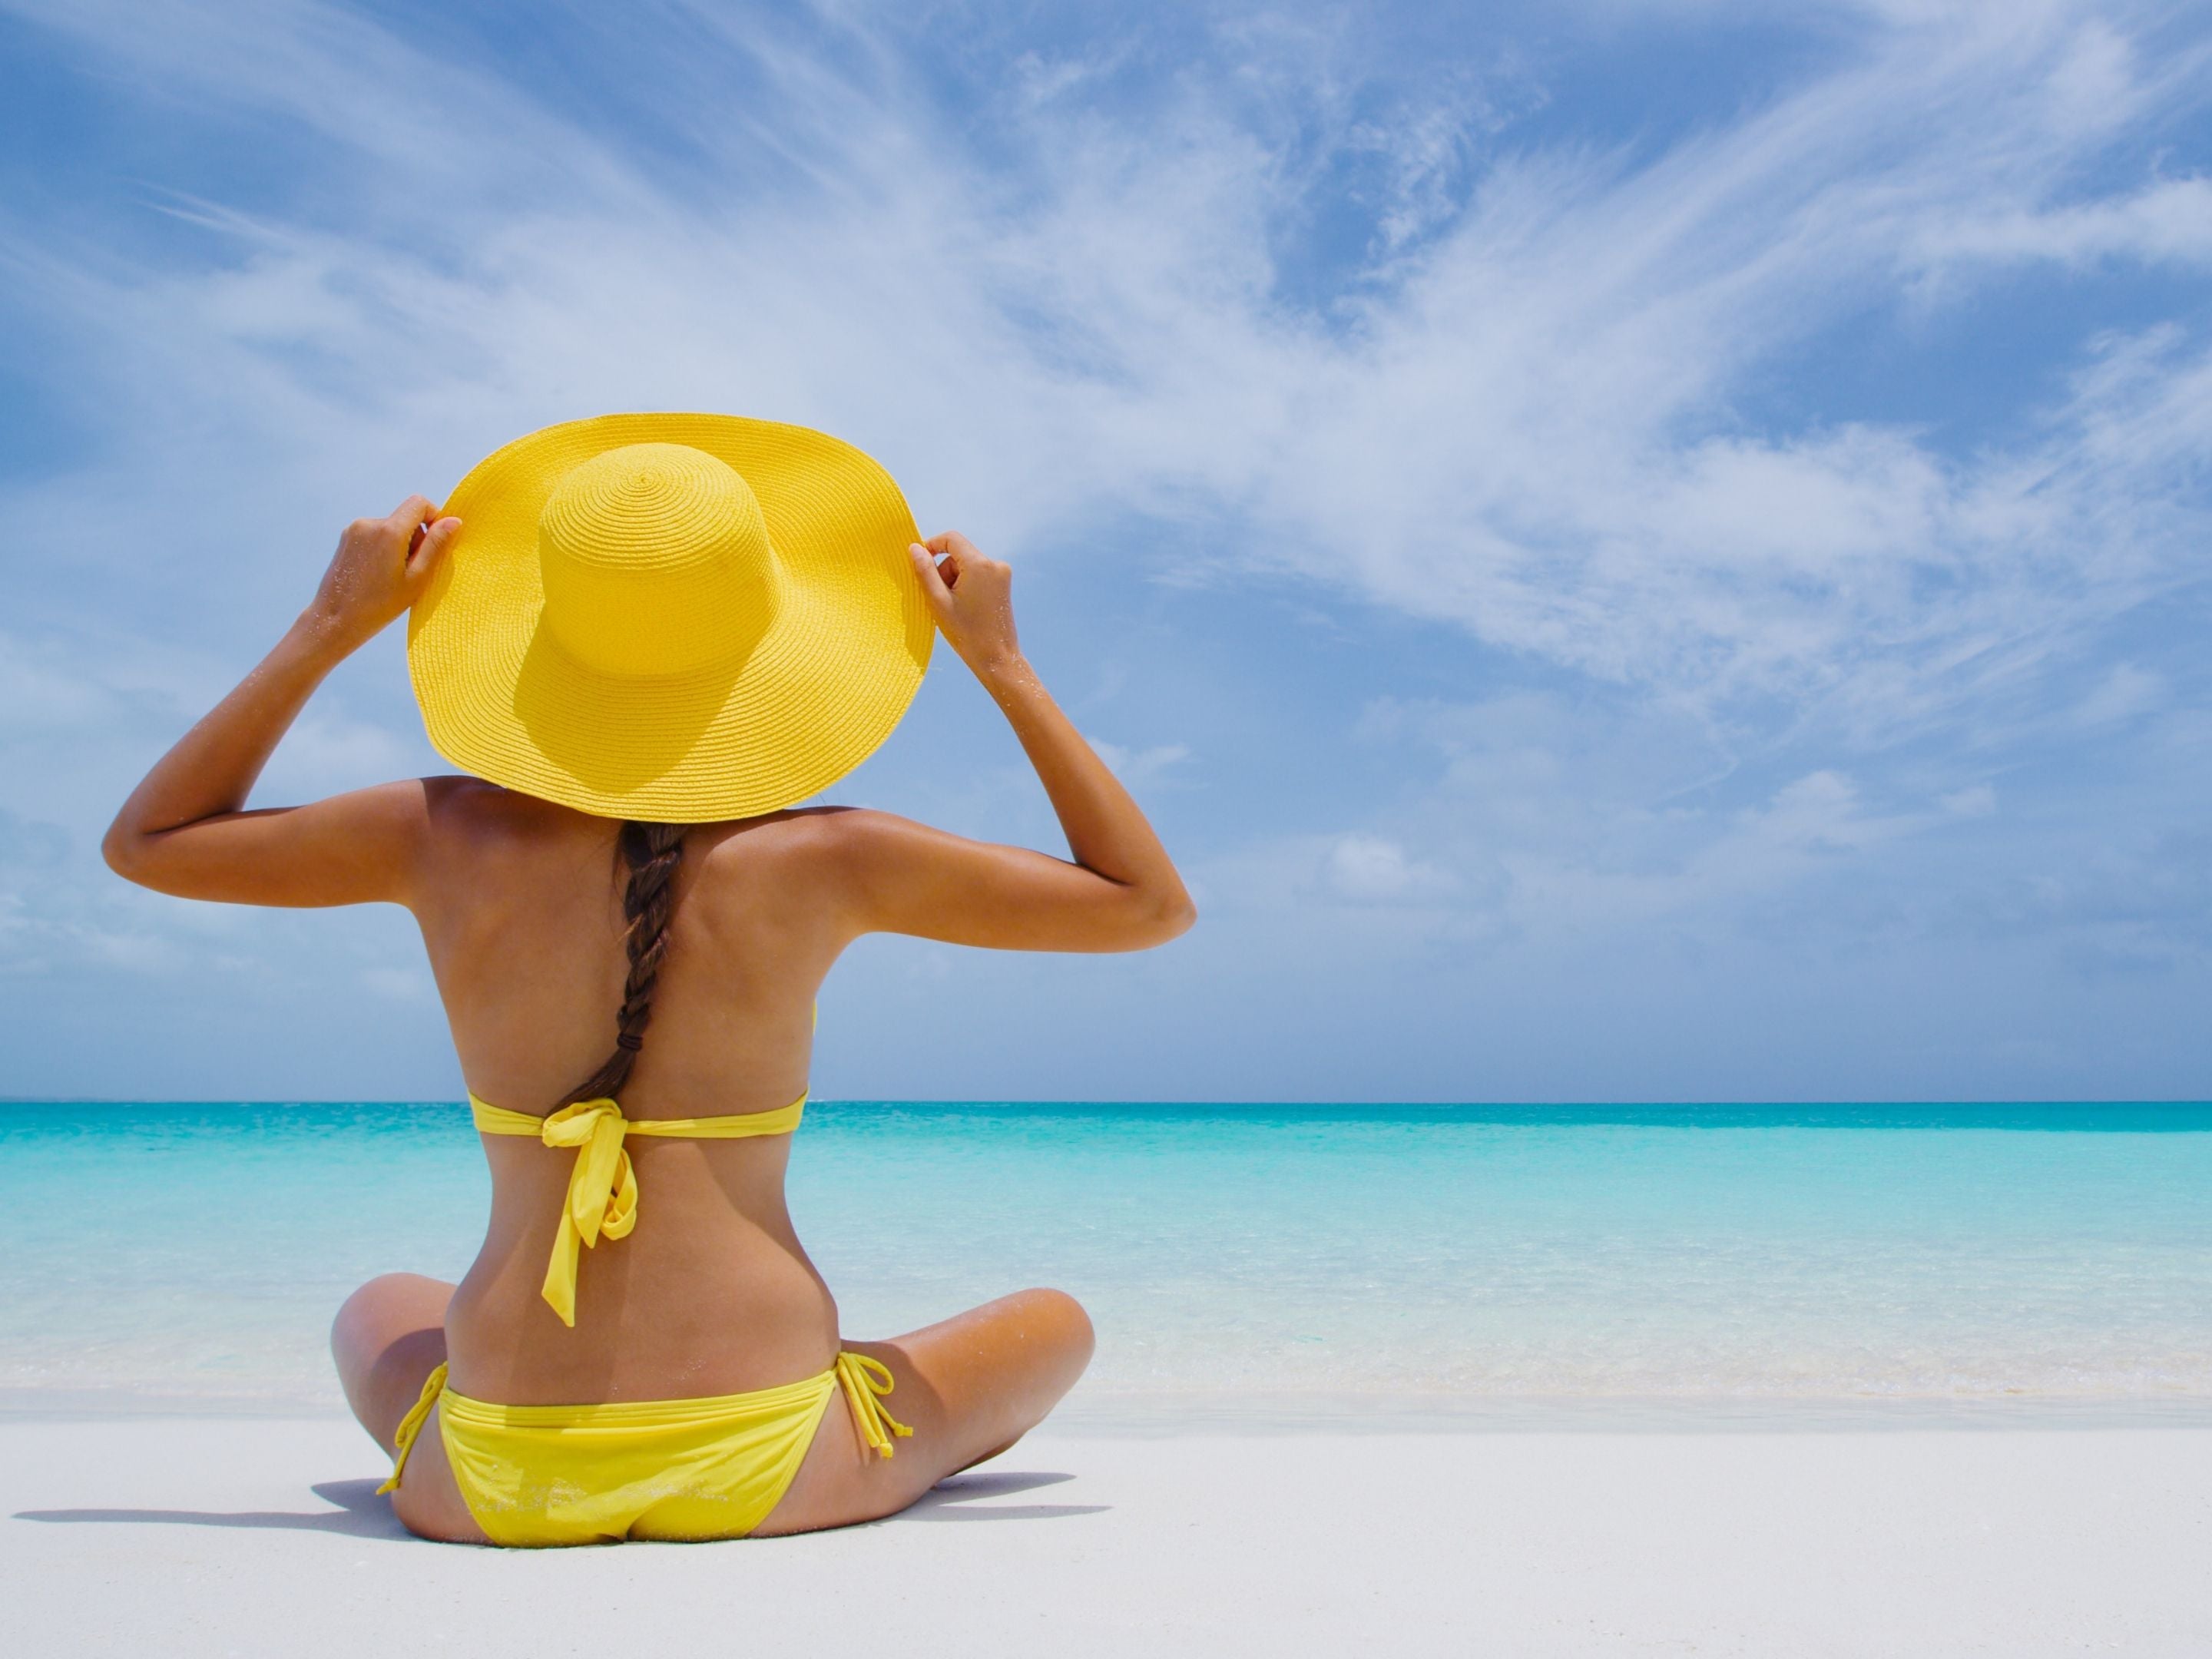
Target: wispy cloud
<point x="1323" y="307"/>
<point x="1140" y="767"/>
<point x="2170" y="221"/>
<point x="1527" y="424"/>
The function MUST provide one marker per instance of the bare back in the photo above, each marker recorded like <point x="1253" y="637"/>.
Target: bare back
<point x="520" y="907"/>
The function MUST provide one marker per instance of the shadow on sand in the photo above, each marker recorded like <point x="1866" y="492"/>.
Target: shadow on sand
<point x="952" y="1499"/>
<point x="358" y="1512"/>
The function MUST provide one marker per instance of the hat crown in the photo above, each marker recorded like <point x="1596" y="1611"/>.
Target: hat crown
<point x="655" y="560"/>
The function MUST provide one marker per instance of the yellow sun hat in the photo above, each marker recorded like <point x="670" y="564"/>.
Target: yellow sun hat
<point x="672" y="618"/>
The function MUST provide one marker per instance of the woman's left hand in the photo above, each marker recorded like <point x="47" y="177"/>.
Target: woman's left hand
<point x="379" y="570"/>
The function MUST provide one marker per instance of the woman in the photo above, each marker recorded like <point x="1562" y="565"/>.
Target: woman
<point x="647" y="636"/>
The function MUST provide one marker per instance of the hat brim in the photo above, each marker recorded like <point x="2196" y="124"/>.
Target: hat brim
<point x="782" y="718"/>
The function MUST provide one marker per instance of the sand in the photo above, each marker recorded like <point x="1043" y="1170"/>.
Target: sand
<point x="175" y="1536"/>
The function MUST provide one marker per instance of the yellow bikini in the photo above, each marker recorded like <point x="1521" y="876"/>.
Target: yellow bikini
<point x="701" y="1468"/>
<point x="602" y="1186"/>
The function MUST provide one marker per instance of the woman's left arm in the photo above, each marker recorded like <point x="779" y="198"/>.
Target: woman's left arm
<point x="184" y="831"/>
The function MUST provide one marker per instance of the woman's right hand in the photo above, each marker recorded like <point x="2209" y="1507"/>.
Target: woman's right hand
<point x="185" y="830"/>
<point x="380" y="568"/>
<point x="972" y="598"/>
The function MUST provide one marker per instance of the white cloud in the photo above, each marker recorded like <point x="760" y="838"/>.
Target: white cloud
<point x="2124" y="693"/>
<point x="1525" y="431"/>
<point x="1815" y="822"/>
<point x="2129" y="905"/>
<point x="1369" y="869"/>
<point x="1976" y="801"/>
<point x="38" y="693"/>
<point x="1140" y="768"/>
<point x="397" y="984"/>
<point x="2169" y="222"/>
<point x="325" y="752"/>
<point x="1526" y="396"/>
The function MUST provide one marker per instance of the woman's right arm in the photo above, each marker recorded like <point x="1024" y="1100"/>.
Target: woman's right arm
<point x="186" y="829"/>
<point x="1118" y="890"/>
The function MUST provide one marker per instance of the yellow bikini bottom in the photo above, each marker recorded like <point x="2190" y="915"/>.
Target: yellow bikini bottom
<point x="678" y="1469"/>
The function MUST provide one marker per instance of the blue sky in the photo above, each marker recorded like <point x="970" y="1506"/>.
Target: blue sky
<point x="1635" y="552"/>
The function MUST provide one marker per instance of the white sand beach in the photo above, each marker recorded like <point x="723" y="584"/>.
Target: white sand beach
<point x="180" y="1536"/>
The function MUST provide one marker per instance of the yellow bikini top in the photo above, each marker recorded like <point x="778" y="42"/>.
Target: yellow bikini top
<point x="602" y="1198"/>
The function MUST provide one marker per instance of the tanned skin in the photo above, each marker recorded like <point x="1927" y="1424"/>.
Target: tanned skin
<point x="520" y="904"/>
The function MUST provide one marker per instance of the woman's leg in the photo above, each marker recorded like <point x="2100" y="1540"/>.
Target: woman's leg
<point x="968" y="1387"/>
<point x="387" y="1338"/>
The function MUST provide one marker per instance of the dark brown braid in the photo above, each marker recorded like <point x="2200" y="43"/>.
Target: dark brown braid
<point x="651" y="851"/>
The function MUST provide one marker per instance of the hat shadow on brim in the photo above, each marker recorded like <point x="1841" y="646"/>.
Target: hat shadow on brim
<point x="569" y="711"/>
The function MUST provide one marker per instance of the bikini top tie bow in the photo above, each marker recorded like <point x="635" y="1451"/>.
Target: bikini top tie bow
<point x="601" y="1202"/>
<point x="602" y="1195"/>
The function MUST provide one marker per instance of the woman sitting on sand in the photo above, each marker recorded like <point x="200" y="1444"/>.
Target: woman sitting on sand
<point x="647" y="636"/>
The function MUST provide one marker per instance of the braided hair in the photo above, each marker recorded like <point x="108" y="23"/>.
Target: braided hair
<point x="651" y="853"/>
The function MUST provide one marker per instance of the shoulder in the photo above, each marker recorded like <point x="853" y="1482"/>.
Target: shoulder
<point x="468" y="817"/>
<point x="457" y="801"/>
<point x="819" y="848"/>
<point x="804" y="833"/>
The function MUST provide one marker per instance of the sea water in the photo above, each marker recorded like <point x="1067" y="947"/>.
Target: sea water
<point x="1235" y="1259"/>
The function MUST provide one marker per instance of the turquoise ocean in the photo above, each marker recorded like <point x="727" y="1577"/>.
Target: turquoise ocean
<point x="1243" y="1263"/>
